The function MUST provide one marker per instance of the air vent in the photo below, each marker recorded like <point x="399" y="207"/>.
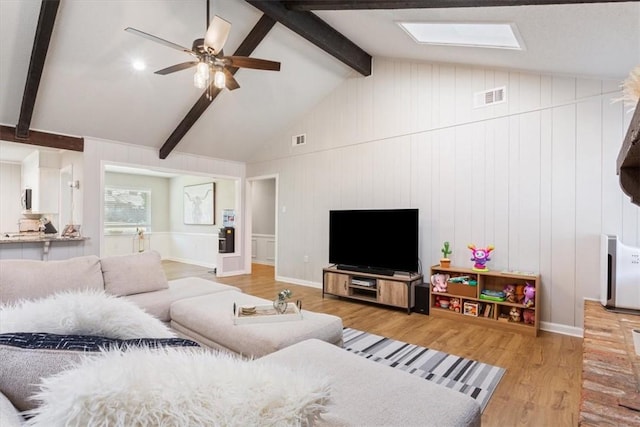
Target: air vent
<point x="490" y="97"/>
<point x="297" y="140"/>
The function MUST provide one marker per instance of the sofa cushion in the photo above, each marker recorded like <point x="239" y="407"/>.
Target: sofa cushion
<point x="25" y="279"/>
<point x="200" y="388"/>
<point x="133" y="274"/>
<point x="368" y="393"/>
<point x="89" y="313"/>
<point x="158" y="303"/>
<point x="28" y="357"/>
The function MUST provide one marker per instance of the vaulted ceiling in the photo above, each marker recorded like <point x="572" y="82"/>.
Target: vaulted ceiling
<point x="89" y="89"/>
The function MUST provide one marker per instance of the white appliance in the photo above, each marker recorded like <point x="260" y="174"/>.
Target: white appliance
<point x="619" y="274"/>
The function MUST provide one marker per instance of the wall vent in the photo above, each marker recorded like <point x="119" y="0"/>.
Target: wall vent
<point x="297" y="140"/>
<point x="490" y="97"/>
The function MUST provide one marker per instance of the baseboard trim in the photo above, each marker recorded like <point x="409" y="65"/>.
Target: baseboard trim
<point x="191" y="261"/>
<point x="558" y="328"/>
<point x="231" y="273"/>
<point x="299" y="282"/>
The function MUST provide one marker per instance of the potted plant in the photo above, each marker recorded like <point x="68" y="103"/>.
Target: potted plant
<point x="445" y="262"/>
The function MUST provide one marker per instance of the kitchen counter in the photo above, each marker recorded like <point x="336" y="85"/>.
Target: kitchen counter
<point x="15" y="238"/>
<point x="30" y="239"/>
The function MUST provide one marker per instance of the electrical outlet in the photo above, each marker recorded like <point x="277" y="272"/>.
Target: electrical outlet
<point x="306" y="258"/>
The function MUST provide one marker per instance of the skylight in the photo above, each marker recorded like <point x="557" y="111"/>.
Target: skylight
<point x="492" y="35"/>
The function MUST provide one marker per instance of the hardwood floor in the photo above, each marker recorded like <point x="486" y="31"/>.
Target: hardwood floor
<point x="542" y="383"/>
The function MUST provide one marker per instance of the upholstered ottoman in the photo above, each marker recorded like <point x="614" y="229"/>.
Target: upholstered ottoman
<point x="208" y="319"/>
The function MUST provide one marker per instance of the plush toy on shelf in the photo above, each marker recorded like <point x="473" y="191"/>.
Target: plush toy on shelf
<point x="439" y="282"/>
<point x="442" y="302"/>
<point x="510" y="293"/>
<point x="515" y="314"/>
<point x="520" y="294"/>
<point x="454" y="304"/>
<point x="480" y="256"/>
<point x="529" y="317"/>
<point x="529" y="295"/>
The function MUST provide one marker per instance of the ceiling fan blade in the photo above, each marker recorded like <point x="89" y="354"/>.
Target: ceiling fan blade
<point x="255" y="63"/>
<point x="177" y="67"/>
<point x="159" y="40"/>
<point x="217" y="34"/>
<point x="231" y="82"/>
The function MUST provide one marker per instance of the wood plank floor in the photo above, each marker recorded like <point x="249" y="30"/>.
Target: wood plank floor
<point x="542" y="383"/>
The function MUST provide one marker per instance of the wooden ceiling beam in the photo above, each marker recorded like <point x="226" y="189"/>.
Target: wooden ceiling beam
<point x="248" y="45"/>
<point x="46" y="20"/>
<point x="318" y="32"/>
<point x="309" y="5"/>
<point x="43" y="139"/>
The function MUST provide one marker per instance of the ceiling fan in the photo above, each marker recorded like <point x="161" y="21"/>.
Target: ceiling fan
<point x="209" y="58"/>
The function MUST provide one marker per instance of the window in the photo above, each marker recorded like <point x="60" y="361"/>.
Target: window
<point x="126" y="209"/>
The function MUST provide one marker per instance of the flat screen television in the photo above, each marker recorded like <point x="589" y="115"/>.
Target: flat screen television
<point x="380" y="241"/>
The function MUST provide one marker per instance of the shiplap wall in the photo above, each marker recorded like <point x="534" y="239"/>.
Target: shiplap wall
<point x="534" y="176"/>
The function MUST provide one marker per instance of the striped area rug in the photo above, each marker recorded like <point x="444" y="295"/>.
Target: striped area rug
<point x="475" y="379"/>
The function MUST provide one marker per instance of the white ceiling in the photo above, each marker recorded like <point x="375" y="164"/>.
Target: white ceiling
<point x="89" y="89"/>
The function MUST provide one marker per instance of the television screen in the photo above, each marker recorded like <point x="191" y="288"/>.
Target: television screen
<point x="383" y="239"/>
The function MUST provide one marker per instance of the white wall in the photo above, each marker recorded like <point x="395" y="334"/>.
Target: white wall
<point x="225" y="198"/>
<point x="198" y="244"/>
<point x="11" y="191"/>
<point x="75" y="160"/>
<point x="97" y="153"/>
<point x="534" y="176"/>
<point x="263" y="199"/>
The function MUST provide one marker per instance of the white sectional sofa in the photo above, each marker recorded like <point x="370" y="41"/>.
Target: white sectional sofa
<point x="364" y="392"/>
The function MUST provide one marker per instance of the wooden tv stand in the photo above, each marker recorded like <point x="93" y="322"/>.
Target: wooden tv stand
<point x="396" y="290"/>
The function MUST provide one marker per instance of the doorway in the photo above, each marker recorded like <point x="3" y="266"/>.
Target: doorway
<point x="262" y="207"/>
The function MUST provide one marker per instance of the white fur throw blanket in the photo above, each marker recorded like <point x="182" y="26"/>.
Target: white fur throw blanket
<point x="178" y="387"/>
<point x="82" y="313"/>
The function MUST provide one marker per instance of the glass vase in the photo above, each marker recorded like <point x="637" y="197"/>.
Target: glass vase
<point x="280" y="305"/>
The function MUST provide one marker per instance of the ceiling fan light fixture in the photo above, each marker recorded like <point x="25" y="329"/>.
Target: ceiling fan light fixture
<point x="199" y="81"/>
<point x="219" y="79"/>
<point x="201" y="77"/>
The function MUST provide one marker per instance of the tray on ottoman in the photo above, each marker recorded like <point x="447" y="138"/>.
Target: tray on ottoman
<point x="266" y="314"/>
<point x="209" y="320"/>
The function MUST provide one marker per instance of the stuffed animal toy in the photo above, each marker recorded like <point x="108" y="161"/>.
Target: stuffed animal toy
<point x="439" y="282"/>
<point x="529" y="317"/>
<point x="529" y="295"/>
<point x="519" y="294"/>
<point x="515" y="314"/>
<point x="454" y="304"/>
<point x="480" y="256"/>
<point x="442" y="302"/>
<point x="510" y="293"/>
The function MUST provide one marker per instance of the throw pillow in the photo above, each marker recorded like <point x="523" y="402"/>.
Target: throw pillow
<point x="133" y="274"/>
<point x="30" y="279"/>
<point x="171" y="386"/>
<point x="83" y="313"/>
<point x="28" y="357"/>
